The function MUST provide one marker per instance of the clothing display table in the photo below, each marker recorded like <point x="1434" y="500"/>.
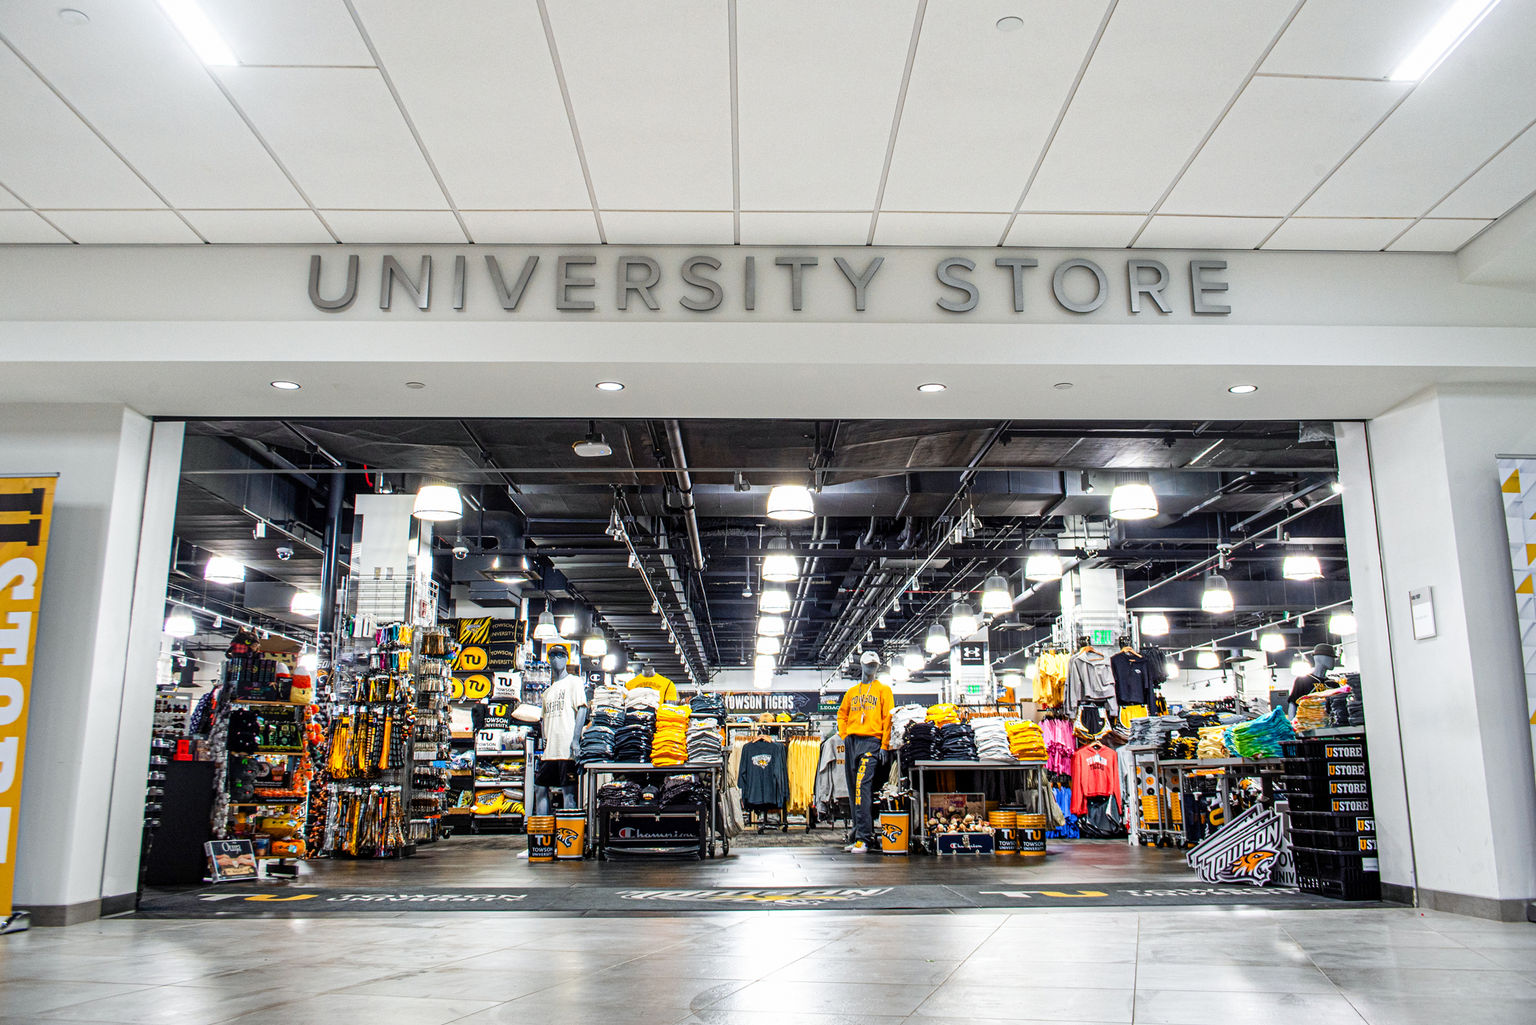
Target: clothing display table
<point x="921" y="770"/>
<point x="1172" y="774"/>
<point x="711" y="834"/>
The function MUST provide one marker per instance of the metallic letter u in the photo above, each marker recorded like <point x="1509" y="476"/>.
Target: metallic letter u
<point x="332" y="305"/>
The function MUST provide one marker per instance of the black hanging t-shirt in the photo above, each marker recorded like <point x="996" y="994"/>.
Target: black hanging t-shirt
<point x="1133" y="678"/>
<point x="764" y="775"/>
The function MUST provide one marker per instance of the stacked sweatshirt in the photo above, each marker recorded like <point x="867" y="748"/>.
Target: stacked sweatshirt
<point x="670" y="744"/>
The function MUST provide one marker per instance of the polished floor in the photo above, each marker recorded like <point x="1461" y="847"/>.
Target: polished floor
<point x="1345" y="966"/>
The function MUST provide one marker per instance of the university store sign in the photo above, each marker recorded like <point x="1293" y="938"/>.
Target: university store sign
<point x="573" y="283"/>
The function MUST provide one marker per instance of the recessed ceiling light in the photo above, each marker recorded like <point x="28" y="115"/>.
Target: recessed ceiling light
<point x="199" y="32"/>
<point x="932" y="386"/>
<point x="285" y="385"/>
<point x="1010" y="24"/>
<point x="1446" y="34"/>
<point x="1243" y="389"/>
<point x="610" y="386"/>
<point x="1062" y="385"/>
<point x="415" y="385"/>
<point x="70" y="16"/>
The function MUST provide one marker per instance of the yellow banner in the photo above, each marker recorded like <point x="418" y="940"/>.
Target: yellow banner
<point x="26" y="512"/>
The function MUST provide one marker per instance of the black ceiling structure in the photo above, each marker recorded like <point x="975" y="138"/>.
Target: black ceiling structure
<point x="660" y="543"/>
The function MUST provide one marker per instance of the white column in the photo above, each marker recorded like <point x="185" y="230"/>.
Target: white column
<point x="92" y="695"/>
<point x="1457" y="700"/>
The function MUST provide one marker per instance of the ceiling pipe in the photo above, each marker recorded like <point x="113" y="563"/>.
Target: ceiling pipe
<point x="685" y="486"/>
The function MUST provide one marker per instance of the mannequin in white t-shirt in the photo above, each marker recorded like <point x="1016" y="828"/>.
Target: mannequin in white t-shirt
<point x="566" y="693"/>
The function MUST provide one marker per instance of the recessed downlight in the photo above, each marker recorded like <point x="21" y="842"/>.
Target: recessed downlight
<point x="1010" y="24"/>
<point x="415" y="385"/>
<point x="1243" y="389"/>
<point x="610" y="386"/>
<point x="286" y="385"/>
<point x="931" y="387"/>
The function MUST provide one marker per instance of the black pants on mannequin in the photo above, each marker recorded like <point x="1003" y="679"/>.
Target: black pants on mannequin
<point x="861" y="761"/>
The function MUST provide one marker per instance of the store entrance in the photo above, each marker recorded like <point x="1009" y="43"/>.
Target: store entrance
<point x="954" y="661"/>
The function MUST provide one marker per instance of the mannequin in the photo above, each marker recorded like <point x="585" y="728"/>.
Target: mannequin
<point x="565" y="694"/>
<point x="864" y="722"/>
<point x="650" y="678"/>
<point x="1323" y="659"/>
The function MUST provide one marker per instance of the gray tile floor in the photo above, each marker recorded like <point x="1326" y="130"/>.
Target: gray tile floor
<point x="1174" y="967"/>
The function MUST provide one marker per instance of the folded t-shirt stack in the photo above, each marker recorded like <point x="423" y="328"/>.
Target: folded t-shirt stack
<point x="704" y="745"/>
<point x="642" y="697"/>
<point x="919" y="744"/>
<point x="596" y="744"/>
<point x="707" y="706"/>
<point x="1026" y="741"/>
<point x="943" y="715"/>
<point x="632" y="741"/>
<point x="957" y="742"/>
<point x="1212" y="742"/>
<point x="991" y="740"/>
<point x="684" y="790"/>
<point x="670" y="745"/>
<point x="618" y="794"/>
<point x="902" y="717"/>
<point x="609" y="695"/>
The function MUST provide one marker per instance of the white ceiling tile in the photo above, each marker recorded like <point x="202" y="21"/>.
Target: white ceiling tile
<point x="47" y="155"/>
<point x="669" y="227"/>
<point x="127" y="227"/>
<point x="171" y="122"/>
<point x="258" y="226"/>
<point x="23" y="227"/>
<point x="802" y="228"/>
<point x="967" y="96"/>
<point x="10" y="202"/>
<point x="1171" y="232"/>
<point x="1355" y="38"/>
<point x="818" y="84"/>
<point x="394" y="225"/>
<point x="651" y="88"/>
<point x="1501" y="185"/>
<point x="288" y="31"/>
<point x="534" y="227"/>
<point x="1070" y="231"/>
<point x="1336" y="233"/>
<point x="1161" y="76"/>
<point x="1273" y="147"/>
<point x="340" y="134"/>
<point x="922" y="229"/>
<point x="1473" y="104"/>
<point x="1438" y="236"/>
<point x="496" y="127"/>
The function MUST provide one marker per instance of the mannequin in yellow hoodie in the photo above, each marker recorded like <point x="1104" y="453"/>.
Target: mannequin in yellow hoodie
<point x="864" y="722"/>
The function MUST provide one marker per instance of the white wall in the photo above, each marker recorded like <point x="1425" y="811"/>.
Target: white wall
<point x="1459" y="696"/>
<point x="88" y="632"/>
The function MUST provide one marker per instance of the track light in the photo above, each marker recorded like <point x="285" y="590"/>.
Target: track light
<point x="996" y="600"/>
<point x="1217" y="599"/>
<point x="438" y="503"/>
<point x="937" y="641"/>
<point x="1301" y="567"/>
<point x="790" y="502"/>
<point x="779" y="566"/>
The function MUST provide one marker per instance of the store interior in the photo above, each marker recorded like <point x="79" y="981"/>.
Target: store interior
<point x="373" y="628"/>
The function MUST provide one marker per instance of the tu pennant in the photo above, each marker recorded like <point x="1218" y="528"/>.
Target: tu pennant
<point x="26" y="513"/>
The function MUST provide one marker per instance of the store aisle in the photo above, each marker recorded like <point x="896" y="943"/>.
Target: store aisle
<point x="1176" y="967"/>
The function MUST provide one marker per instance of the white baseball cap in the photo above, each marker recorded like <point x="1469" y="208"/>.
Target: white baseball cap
<point x="870" y="658"/>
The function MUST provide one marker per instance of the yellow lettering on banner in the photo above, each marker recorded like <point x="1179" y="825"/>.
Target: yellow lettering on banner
<point x="275" y="897"/>
<point x="26" y="515"/>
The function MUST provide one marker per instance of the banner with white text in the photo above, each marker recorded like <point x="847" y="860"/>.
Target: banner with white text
<point x="26" y="512"/>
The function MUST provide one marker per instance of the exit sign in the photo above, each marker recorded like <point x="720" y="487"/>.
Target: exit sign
<point x="1103" y="638"/>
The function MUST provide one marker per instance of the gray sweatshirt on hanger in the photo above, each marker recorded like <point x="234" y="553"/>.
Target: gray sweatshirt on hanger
<point x="1089" y="679"/>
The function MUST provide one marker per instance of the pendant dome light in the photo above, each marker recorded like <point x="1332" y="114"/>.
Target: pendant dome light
<point x="1172" y="665"/>
<point x="937" y="641"/>
<point x="224" y="571"/>
<point x="913" y="660"/>
<point x="568" y="626"/>
<point x="962" y="621"/>
<point x="769" y="645"/>
<point x="1271" y="641"/>
<point x="773" y="599"/>
<point x="770" y="626"/>
<point x="1012" y="681"/>
<point x="996" y="600"/>
<point x="1207" y="658"/>
<point x="1342" y="623"/>
<point x="779" y="566"/>
<point x="179" y="624"/>
<point x="1217" y="599"/>
<point x="595" y="645"/>
<point x="1154" y="624"/>
<point x="305" y="603"/>
<point x="1301" y="667"/>
<point x="900" y="674"/>
<point x="764" y="665"/>
<point x="1043" y="563"/>
<point x="546" y="630"/>
<point x="610" y="662"/>
<point x="790" y="502"/>
<point x="1133" y="498"/>
<point x="438" y="503"/>
<point x="1301" y="567"/>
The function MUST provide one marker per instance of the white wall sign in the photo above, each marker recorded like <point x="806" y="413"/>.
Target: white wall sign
<point x="1421" y="603"/>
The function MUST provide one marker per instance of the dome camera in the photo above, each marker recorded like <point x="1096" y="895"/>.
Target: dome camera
<point x="284" y="554"/>
<point x="460" y="550"/>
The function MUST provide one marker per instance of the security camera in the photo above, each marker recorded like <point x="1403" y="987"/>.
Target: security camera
<point x="460" y="550"/>
<point x="284" y="554"/>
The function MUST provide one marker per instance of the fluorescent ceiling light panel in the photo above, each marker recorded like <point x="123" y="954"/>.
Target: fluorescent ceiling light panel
<point x="1454" y="26"/>
<point x="199" y="32"/>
